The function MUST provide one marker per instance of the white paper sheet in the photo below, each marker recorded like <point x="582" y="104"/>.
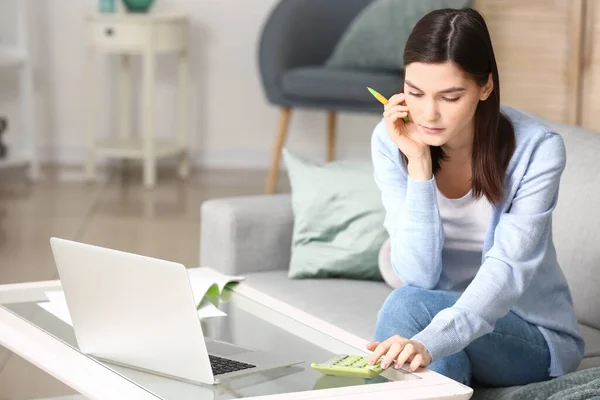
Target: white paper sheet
<point x="203" y="278"/>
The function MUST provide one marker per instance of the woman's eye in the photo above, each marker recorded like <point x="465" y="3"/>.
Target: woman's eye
<point x="415" y="94"/>
<point x="451" y="100"/>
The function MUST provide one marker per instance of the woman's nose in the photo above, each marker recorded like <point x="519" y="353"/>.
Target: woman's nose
<point x="430" y="111"/>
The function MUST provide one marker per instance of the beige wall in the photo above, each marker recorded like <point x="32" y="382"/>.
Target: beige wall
<point x="231" y="123"/>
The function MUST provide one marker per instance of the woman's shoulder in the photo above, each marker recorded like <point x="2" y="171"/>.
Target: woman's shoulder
<point x="532" y="133"/>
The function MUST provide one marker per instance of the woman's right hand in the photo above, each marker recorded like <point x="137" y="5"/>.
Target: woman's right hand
<point x="404" y="134"/>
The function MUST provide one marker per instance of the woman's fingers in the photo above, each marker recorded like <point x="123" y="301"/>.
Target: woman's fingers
<point x="395" y="100"/>
<point x="394" y="109"/>
<point x="379" y="351"/>
<point x="397" y="115"/>
<point x="388" y="349"/>
<point x="407" y="351"/>
<point x="391" y="355"/>
<point x="371" y="346"/>
<point x="415" y="363"/>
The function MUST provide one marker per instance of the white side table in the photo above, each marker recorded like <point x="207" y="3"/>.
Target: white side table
<point x="146" y="35"/>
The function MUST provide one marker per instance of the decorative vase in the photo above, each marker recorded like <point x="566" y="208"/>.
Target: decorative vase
<point x="106" y="6"/>
<point x="138" y="6"/>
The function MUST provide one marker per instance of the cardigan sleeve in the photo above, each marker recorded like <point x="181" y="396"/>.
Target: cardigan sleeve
<point x="412" y="216"/>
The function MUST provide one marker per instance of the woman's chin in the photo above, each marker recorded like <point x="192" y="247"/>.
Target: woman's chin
<point x="435" y="141"/>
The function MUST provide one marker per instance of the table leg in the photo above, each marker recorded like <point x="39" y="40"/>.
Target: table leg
<point x="29" y="118"/>
<point x="91" y="111"/>
<point x="148" y="120"/>
<point x="182" y="120"/>
<point x="125" y="102"/>
<point x="125" y="96"/>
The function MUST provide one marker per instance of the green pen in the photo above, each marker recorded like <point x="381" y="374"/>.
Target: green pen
<point x="383" y="100"/>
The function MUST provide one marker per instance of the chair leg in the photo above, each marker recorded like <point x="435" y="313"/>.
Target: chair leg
<point x="331" y="128"/>
<point x="284" y="119"/>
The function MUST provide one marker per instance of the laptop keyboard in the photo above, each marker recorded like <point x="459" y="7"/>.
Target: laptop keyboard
<point x="223" y="365"/>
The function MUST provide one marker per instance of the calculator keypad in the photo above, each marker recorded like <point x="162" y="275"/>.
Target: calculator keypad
<point x="349" y="365"/>
<point x="344" y="360"/>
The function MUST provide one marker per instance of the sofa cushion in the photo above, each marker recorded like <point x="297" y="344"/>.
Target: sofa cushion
<point x="318" y="83"/>
<point x="486" y="393"/>
<point x="589" y="362"/>
<point x="338" y="219"/>
<point x="575" y="226"/>
<point x="385" y="265"/>
<point x="591" y="336"/>
<point x="348" y="304"/>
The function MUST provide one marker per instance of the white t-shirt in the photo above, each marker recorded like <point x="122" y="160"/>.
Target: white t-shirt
<point x="465" y="222"/>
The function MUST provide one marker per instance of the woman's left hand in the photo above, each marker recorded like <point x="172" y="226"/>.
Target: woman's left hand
<point x="399" y="350"/>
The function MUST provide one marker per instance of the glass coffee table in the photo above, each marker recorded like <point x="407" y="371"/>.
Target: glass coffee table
<point x="253" y="320"/>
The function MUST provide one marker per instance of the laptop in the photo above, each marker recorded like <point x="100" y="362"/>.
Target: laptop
<point x="139" y="312"/>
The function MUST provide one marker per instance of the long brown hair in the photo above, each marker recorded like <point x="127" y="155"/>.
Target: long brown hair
<point x="461" y="36"/>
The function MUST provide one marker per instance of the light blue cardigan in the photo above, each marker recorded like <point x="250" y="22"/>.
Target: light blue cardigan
<point x="519" y="270"/>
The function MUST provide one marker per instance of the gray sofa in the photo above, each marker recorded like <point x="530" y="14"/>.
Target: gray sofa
<point x="251" y="236"/>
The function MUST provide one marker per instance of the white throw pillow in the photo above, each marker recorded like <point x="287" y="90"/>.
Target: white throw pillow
<point x="385" y="265"/>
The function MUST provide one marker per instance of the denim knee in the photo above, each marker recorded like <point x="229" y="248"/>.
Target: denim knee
<point x="405" y="299"/>
<point x="403" y="313"/>
<point x="456" y="366"/>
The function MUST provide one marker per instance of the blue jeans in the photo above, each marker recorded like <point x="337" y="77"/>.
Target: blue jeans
<point x="515" y="353"/>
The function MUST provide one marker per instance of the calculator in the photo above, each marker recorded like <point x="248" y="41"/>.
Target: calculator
<point x="349" y="365"/>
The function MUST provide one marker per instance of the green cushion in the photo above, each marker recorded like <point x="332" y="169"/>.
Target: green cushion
<point x="375" y="39"/>
<point x="338" y="219"/>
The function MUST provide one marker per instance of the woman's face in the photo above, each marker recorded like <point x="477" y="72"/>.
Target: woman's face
<point x="442" y="100"/>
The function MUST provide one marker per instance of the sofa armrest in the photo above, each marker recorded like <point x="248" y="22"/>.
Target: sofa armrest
<point x="239" y="235"/>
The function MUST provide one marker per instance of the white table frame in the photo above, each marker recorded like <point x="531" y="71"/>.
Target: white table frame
<point x="94" y="381"/>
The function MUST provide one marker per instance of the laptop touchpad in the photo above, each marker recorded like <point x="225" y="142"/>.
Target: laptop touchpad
<point x="224" y="349"/>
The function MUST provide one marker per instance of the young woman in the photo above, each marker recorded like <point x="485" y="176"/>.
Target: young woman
<point x="469" y="192"/>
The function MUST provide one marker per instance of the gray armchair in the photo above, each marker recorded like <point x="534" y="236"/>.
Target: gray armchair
<point x="296" y="40"/>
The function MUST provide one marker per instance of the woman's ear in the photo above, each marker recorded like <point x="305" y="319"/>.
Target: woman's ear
<point x="487" y="89"/>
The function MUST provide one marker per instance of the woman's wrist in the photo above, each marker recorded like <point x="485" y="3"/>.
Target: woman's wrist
<point x="419" y="168"/>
